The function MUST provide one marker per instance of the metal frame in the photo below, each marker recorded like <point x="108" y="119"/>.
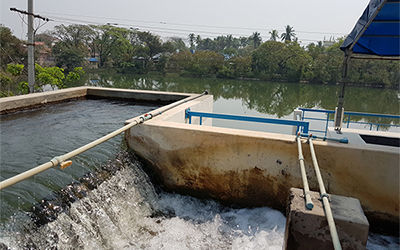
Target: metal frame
<point x="305" y="125"/>
<point x="350" y="55"/>
<point x="348" y="120"/>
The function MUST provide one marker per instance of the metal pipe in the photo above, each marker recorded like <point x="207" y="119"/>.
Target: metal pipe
<point x="309" y="203"/>
<point x="325" y="200"/>
<point x="324" y="138"/>
<point x="59" y="159"/>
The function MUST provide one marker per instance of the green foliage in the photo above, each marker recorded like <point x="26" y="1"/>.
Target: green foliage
<point x="174" y="44"/>
<point x="75" y="75"/>
<point x="281" y="61"/>
<point x="266" y="59"/>
<point x="4" y="79"/>
<point x="179" y="61"/>
<point x="12" y="49"/>
<point x="256" y="39"/>
<point x="8" y="80"/>
<point x="197" y="64"/>
<point x="274" y="35"/>
<point x="289" y="34"/>
<point x="236" y="67"/>
<point x="23" y="87"/>
<point x="225" y="56"/>
<point x="73" y="45"/>
<point x="161" y="64"/>
<point x="68" y="57"/>
<point x="15" y="69"/>
<point x="50" y="75"/>
<point x="205" y="63"/>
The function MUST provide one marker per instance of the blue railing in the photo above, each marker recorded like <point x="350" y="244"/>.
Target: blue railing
<point x="304" y="125"/>
<point x="347" y="119"/>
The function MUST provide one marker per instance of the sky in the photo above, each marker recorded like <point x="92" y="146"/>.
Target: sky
<point x="312" y="20"/>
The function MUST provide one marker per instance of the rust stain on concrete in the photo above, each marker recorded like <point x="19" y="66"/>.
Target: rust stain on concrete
<point x="259" y="171"/>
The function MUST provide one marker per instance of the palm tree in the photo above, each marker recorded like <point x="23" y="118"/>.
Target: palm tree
<point x="229" y="40"/>
<point x="244" y="41"/>
<point x="274" y="35"/>
<point x="256" y="39"/>
<point x="288" y="34"/>
<point x="198" y="40"/>
<point x="191" y="40"/>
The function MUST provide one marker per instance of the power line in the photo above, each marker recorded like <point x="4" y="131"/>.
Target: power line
<point x="30" y="14"/>
<point x="196" y="25"/>
<point x="156" y="29"/>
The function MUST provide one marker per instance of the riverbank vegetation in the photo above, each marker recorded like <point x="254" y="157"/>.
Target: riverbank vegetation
<point x="281" y="58"/>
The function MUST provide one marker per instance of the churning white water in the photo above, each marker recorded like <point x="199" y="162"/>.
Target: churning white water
<point x="126" y="212"/>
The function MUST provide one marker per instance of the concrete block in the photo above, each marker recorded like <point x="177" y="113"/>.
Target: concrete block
<point x="308" y="229"/>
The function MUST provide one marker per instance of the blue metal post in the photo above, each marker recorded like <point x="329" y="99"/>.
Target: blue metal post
<point x="327" y="122"/>
<point x="305" y="128"/>
<point x="348" y="120"/>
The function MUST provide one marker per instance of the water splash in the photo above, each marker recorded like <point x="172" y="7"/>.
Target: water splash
<point x="126" y="211"/>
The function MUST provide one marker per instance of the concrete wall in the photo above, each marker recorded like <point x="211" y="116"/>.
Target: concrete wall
<point x="308" y="229"/>
<point x="257" y="168"/>
<point x="15" y="103"/>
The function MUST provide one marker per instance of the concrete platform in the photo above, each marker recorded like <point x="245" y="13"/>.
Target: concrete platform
<point x="308" y="229"/>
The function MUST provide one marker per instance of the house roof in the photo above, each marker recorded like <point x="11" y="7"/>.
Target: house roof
<point x="93" y="59"/>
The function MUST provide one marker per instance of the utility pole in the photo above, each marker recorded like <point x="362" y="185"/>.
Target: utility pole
<point x="31" y="43"/>
<point x="31" y="49"/>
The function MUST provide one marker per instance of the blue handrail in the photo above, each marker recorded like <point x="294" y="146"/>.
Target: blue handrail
<point x="348" y="120"/>
<point x="189" y="114"/>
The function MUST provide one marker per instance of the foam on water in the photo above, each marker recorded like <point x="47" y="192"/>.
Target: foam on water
<point x="126" y="212"/>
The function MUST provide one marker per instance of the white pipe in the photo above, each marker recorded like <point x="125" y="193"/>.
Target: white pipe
<point x="324" y="195"/>
<point x="59" y="159"/>
<point x="309" y="203"/>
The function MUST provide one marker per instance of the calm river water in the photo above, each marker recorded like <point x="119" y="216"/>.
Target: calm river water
<point x="265" y="99"/>
<point x="126" y="210"/>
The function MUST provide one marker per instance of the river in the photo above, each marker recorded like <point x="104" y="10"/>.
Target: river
<point x="265" y="99"/>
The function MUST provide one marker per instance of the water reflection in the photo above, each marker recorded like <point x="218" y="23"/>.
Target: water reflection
<point x="271" y="98"/>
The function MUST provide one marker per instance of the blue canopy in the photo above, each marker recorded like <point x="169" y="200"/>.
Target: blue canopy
<point x="377" y="32"/>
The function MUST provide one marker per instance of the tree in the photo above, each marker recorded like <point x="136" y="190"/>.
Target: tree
<point x="274" y="35"/>
<point x="68" y="57"/>
<point x="47" y="38"/>
<point x="266" y="59"/>
<point x="206" y="44"/>
<point x="11" y="48"/>
<point x="12" y="81"/>
<point x="244" y="41"/>
<point x="15" y="69"/>
<point x="281" y="61"/>
<point x="112" y="44"/>
<point x="198" y="40"/>
<point x="52" y="76"/>
<point x="75" y="35"/>
<point x="151" y="41"/>
<point x="191" y="40"/>
<point x="256" y="39"/>
<point x="73" y="44"/>
<point x="288" y="34"/>
<point x="177" y="43"/>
